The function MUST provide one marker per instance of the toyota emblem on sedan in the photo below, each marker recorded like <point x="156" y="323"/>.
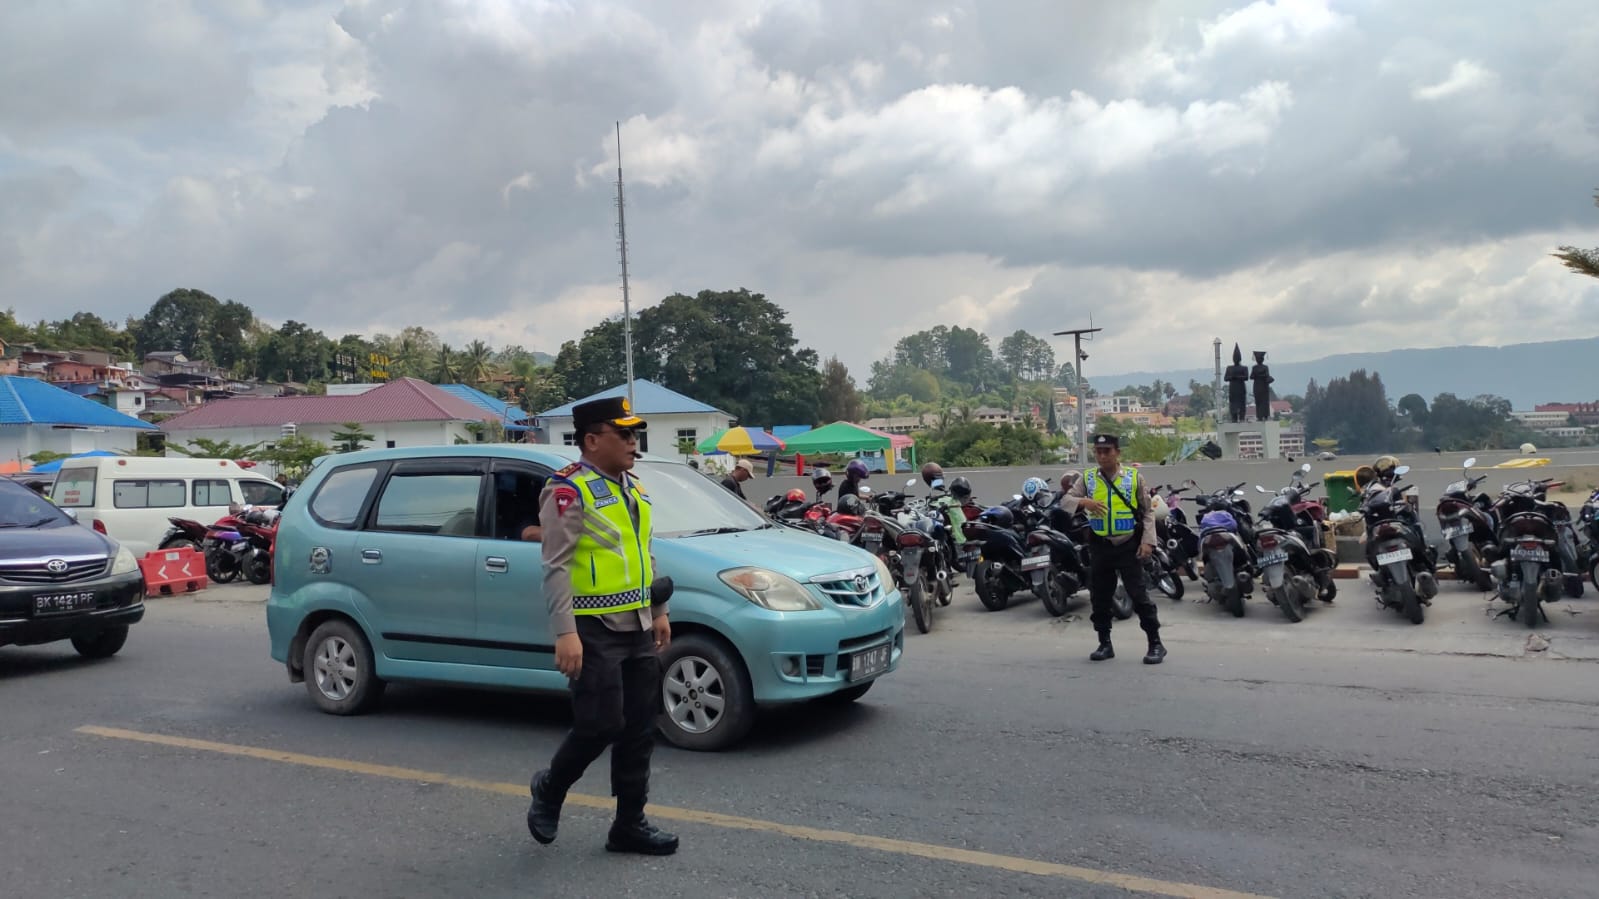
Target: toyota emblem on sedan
<point x="56" y="566"/>
<point x="860" y="583"/>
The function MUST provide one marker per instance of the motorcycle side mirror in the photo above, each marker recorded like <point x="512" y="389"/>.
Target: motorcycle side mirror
<point x="1238" y="492"/>
<point x="1258" y="489"/>
<point x="1305" y="468"/>
<point x="1402" y="470"/>
<point x="1469" y="462"/>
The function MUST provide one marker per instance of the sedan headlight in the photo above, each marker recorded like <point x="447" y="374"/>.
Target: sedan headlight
<point x="770" y="590"/>
<point x="125" y="563"/>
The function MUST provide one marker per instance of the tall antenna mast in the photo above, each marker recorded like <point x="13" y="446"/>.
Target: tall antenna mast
<point x="621" y="243"/>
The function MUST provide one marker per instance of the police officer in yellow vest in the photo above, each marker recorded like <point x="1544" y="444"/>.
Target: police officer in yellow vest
<point x="1122" y="515"/>
<point x="608" y="614"/>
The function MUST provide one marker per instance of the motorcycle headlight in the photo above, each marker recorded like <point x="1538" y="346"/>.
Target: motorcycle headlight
<point x="124" y="563"/>
<point x="770" y="590"/>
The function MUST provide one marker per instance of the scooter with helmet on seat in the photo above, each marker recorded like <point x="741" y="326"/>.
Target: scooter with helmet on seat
<point x="997" y="574"/>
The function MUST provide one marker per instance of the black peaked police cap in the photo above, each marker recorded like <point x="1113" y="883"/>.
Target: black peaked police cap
<point x="613" y="411"/>
<point x="1110" y="440"/>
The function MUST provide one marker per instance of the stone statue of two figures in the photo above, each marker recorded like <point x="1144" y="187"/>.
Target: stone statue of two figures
<point x="1237" y="374"/>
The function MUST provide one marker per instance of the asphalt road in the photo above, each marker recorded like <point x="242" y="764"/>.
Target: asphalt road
<point x="1350" y="755"/>
<point x="1431" y="473"/>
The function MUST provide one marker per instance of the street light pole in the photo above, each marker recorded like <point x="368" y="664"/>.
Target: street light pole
<point x="1078" y="356"/>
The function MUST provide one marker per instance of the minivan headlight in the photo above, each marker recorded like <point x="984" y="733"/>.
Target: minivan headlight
<point x="124" y="563"/>
<point x="770" y="590"/>
<point x="884" y="576"/>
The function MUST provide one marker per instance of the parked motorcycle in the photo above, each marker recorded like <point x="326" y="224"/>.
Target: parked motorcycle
<point x="184" y="533"/>
<point x="1537" y="550"/>
<point x="1173" y="532"/>
<point x="1401" y="561"/>
<point x="1469" y="529"/>
<point x="1294" y="565"/>
<point x="1226" y="535"/>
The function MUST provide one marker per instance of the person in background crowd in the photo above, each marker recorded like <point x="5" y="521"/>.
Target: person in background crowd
<point x="742" y="471"/>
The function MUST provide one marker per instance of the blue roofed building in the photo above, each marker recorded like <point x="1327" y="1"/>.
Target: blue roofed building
<point x="39" y="417"/>
<point x="511" y="416"/>
<point x="672" y="418"/>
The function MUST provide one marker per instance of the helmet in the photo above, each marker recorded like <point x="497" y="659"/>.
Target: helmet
<point x="821" y="477"/>
<point x="850" y="504"/>
<point x="1032" y="486"/>
<point x="1385" y="465"/>
<point x="998" y="516"/>
<point x="931" y="472"/>
<point x="795" y="496"/>
<point x="856" y="470"/>
<point x="960" y="488"/>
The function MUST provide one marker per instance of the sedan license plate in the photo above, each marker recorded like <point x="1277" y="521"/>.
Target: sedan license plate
<point x="1528" y="554"/>
<point x="1398" y="555"/>
<point x="868" y="662"/>
<point x="1458" y="530"/>
<point x="1032" y="562"/>
<point x="1274" y="557"/>
<point x="60" y="603"/>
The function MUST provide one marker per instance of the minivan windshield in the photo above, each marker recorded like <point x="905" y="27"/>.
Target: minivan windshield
<point x="685" y="503"/>
<point x="23" y="508"/>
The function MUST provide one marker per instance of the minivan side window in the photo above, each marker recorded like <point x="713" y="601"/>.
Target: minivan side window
<point x="261" y="493"/>
<point x="429" y="503"/>
<point x="338" y="499"/>
<point x="148" y="494"/>
<point x="211" y="493"/>
<point x="74" y="488"/>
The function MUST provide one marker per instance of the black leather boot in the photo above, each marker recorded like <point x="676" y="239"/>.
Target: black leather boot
<point x="1103" y="652"/>
<point x="1156" y="653"/>
<point x="632" y="832"/>
<point x="544" y="815"/>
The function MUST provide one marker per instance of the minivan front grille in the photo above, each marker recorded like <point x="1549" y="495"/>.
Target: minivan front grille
<point x="38" y="571"/>
<point x="861" y="588"/>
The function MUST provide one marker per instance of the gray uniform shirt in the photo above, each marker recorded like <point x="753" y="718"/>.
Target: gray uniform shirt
<point x="1077" y="493"/>
<point x="563" y="525"/>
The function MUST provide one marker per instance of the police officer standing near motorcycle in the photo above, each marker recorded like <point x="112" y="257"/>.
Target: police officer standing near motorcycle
<point x="1122" y="517"/>
<point x="608" y="616"/>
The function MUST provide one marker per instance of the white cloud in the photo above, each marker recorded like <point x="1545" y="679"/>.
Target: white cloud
<point x="1464" y="76"/>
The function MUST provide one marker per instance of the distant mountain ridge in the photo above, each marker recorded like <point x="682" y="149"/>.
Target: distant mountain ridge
<point x="1557" y="371"/>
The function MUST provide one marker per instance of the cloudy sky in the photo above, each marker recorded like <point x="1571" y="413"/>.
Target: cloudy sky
<point x="1300" y="176"/>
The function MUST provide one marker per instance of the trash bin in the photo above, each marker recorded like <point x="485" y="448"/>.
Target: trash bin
<point x="1342" y="494"/>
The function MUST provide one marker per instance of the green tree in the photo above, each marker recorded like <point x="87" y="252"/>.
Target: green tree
<point x="839" y="401"/>
<point x="350" y="436"/>
<point x="1354" y="411"/>
<point x="1413" y="408"/>
<point x="446" y="365"/>
<point x="206" y="448"/>
<point x="1201" y="398"/>
<point x="295" y="352"/>
<point x="477" y="362"/>
<point x="1583" y="262"/>
<point x="1026" y="357"/>
<point x="293" y="455"/>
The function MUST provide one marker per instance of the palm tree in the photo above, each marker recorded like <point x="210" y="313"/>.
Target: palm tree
<point x="407" y="360"/>
<point x="444" y="367"/>
<point x="476" y="362"/>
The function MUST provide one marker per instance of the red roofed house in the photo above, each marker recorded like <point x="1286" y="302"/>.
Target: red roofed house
<point x="406" y="412"/>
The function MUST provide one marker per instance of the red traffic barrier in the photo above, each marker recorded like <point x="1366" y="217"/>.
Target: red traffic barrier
<point x="170" y="571"/>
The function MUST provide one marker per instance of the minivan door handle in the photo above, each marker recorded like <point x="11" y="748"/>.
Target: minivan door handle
<point x="496" y="564"/>
<point x="371" y="556"/>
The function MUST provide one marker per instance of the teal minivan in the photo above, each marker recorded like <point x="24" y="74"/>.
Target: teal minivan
<point x="407" y="565"/>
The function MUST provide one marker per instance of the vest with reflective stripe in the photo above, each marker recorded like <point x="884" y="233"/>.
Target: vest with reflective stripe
<point x="611" y="565"/>
<point x="1119" y="520"/>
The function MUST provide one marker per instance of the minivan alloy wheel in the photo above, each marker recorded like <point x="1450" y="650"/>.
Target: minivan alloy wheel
<point x="336" y="668"/>
<point x="695" y="698"/>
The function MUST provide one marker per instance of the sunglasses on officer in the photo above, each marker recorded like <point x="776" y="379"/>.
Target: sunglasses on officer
<point x="627" y="435"/>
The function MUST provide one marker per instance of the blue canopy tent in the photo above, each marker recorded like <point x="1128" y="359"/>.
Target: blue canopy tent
<point x="49" y="467"/>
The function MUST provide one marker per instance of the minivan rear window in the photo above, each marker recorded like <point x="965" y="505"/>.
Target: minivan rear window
<point x="74" y="488"/>
<point x="338" y="500"/>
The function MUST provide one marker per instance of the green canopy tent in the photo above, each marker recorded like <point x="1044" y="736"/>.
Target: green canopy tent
<point x="845" y="437"/>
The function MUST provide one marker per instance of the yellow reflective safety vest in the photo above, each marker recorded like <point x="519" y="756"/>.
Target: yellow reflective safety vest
<point x="1119" y="520"/>
<point x="611" y="565"/>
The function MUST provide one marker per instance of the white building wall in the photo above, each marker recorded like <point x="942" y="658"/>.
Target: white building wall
<point x="663" y="429"/>
<point x="18" y="442"/>
<point x="407" y="433"/>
